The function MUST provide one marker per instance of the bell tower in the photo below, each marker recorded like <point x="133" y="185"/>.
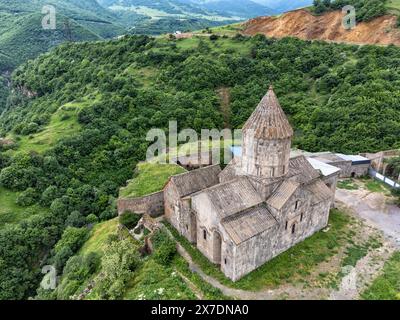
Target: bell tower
<point x="267" y="139"/>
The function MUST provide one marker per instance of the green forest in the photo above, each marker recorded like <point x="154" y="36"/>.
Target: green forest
<point x="79" y="115"/>
<point x="365" y="9"/>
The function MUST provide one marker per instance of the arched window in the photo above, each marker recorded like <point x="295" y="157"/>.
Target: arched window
<point x="205" y="234"/>
<point x="301" y="217"/>
<point x="297" y="205"/>
<point x="293" y="228"/>
<point x="286" y="225"/>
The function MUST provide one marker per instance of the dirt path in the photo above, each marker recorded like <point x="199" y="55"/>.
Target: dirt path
<point x="225" y="97"/>
<point x="376" y="209"/>
<point x="191" y="286"/>
<point x="365" y="271"/>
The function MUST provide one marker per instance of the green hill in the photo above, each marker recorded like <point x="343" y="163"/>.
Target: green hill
<point x="366" y="10"/>
<point x="22" y="36"/>
<point x="81" y="130"/>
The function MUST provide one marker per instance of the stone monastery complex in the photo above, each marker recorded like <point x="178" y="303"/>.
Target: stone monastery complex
<point x="265" y="201"/>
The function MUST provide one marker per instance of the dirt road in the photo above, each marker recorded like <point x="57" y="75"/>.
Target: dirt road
<point x="375" y="209"/>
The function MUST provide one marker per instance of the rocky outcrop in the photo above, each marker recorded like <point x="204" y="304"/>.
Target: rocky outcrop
<point x="304" y="25"/>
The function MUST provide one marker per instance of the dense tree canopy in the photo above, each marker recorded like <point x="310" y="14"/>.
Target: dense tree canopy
<point x="106" y="96"/>
<point x="365" y="9"/>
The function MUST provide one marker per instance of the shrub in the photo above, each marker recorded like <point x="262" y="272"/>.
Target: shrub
<point x="72" y="238"/>
<point x="62" y="257"/>
<point x="119" y="262"/>
<point x="92" y="261"/>
<point x="165" y="248"/>
<point x="70" y="242"/>
<point x="214" y="37"/>
<point x="67" y="289"/>
<point x="27" y="198"/>
<point x="30" y="128"/>
<point x="49" y="195"/>
<point x="92" y="219"/>
<point x="75" y="219"/>
<point x="108" y="214"/>
<point x="129" y="219"/>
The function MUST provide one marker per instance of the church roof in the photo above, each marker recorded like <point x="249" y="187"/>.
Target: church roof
<point x="302" y="171"/>
<point x="233" y="197"/>
<point x="249" y="223"/>
<point x="320" y="191"/>
<point x="193" y="181"/>
<point x="283" y="194"/>
<point x="269" y="120"/>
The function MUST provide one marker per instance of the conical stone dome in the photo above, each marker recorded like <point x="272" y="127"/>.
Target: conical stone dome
<point x="269" y="121"/>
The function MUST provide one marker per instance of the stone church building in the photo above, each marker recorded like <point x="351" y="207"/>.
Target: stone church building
<point x="260" y="205"/>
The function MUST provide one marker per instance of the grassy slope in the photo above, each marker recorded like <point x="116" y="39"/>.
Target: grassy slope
<point x="148" y="278"/>
<point x="387" y="285"/>
<point x="98" y="237"/>
<point x="10" y="212"/>
<point x="150" y="178"/>
<point x="63" y="123"/>
<point x="394" y="6"/>
<point x="155" y="282"/>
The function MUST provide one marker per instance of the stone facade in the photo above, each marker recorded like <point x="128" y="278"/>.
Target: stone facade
<point x="260" y="205"/>
<point x="177" y="200"/>
<point x="152" y="204"/>
<point x="359" y="170"/>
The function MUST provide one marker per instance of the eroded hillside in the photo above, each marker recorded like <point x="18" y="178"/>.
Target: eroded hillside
<point x="304" y="25"/>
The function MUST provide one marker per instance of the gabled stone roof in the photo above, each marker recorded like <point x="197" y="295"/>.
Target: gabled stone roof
<point x="283" y="194"/>
<point x="268" y="120"/>
<point x="249" y="223"/>
<point x="301" y="171"/>
<point x="320" y="192"/>
<point x="233" y="197"/>
<point x="194" y="181"/>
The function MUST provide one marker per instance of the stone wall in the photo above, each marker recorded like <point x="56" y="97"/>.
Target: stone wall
<point x="331" y="181"/>
<point x="378" y="159"/>
<point x="255" y="252"/>
<point x="265" y="158"/>
<point x="359" y="170"/>
<point x="152" y="204"/>
<point x="345" y="166"/>
<point x="178" y="212"/>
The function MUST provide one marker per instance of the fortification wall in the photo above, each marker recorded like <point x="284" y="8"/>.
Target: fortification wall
<point x="152" y="204"/>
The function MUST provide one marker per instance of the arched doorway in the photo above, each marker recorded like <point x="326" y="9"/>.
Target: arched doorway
<point x="353" y="174"/>
<point x="217" y="248"/>
<point x="193" y="228"/>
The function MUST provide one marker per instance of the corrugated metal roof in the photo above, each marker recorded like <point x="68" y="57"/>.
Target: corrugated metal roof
<point x="325" y="168"/>
<point x="353" y="158"/>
